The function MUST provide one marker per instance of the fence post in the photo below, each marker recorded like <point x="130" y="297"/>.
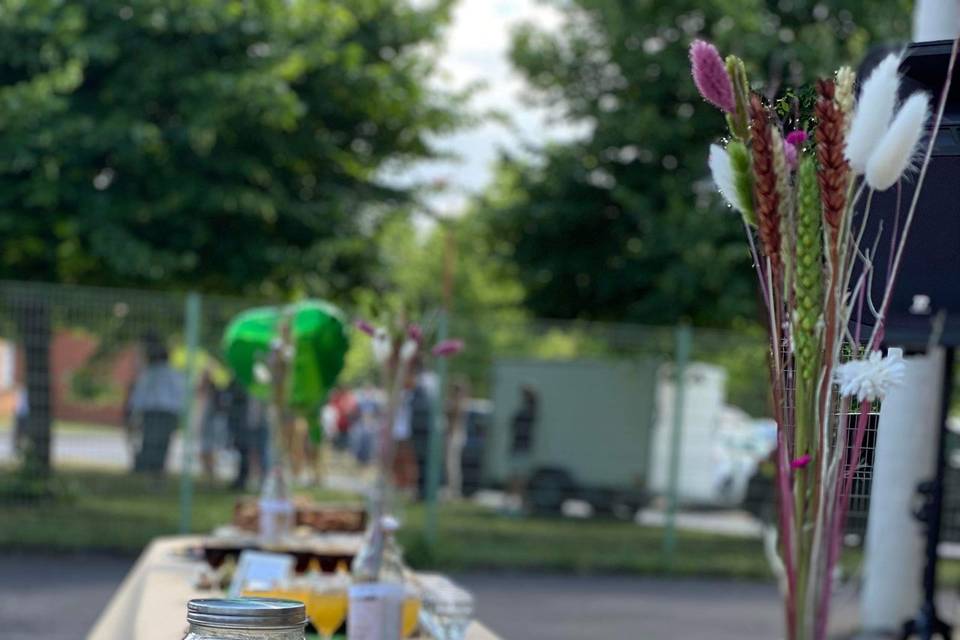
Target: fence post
<point x="192" y="334"/>
<point x="683" y="338"/>
<point x="435" y="441"/>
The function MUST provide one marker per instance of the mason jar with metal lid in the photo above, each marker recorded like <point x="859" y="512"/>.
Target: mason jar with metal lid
<point x="245" y="619"/>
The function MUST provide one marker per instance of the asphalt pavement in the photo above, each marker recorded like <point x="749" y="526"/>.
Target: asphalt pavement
<point x="524" y="607"/>
<point x="55" y="597"/>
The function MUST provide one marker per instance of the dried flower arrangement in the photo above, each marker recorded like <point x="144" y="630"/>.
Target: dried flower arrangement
<point x="396" y="347"/>
<point x="804" y="198"/>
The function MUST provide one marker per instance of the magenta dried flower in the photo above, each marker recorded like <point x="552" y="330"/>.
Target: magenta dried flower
<point x="415" y="333"/>
<point x="801" y="462"/>
<point x="796" y="137"/>
<point x="791" y="147"/>
<point x="711" y="77"/>
<point x="365" y="327"/>
<point x="447" y="348"/>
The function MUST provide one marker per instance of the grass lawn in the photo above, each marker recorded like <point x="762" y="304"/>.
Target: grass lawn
<point x="117" y="512"/>
<point x="102" y="511"/>
<point x="472" y="538"/>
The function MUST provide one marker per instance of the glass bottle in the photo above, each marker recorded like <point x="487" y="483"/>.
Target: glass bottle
<point x="376" y="597"/>
<point x="245" y="619"/>
<point x="277" y="511"/>
<point x="314" y="570"/>
<point x="366" y="564"/>
<point x="394" y="571"/>
<point x="392" y="568"/>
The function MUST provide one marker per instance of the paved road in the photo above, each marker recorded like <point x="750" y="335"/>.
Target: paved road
<point x="55" y="598"/>
<point x="104" y="448"/>
<point x="107" y="449"/>
<point x="59" y="597"/>
<point x="575" y="608"/>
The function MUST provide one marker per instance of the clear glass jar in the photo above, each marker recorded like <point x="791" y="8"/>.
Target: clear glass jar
<point x="245" y="619"/>
<point x="447" y="608"/>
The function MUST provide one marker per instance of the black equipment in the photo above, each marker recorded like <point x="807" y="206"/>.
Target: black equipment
<point x="925" y="303"/>
<point x="928" y="282"/>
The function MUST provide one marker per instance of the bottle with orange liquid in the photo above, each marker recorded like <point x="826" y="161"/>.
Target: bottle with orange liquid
<point x="326" y="600"/>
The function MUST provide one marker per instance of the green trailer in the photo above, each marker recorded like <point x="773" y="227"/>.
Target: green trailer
<point x="576" y="429"/>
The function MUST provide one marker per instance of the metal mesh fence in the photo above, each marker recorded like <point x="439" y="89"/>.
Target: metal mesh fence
<point x="84" y="459"/>
<point x="863" y="472"/>
<point x="70" y="360"/>
<point x="564" y="417"/>
<point x="950" y="525"/>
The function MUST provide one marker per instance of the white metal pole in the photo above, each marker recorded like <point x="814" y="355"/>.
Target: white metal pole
<point x="904" y="457"/>
<point x="907" y="440"/>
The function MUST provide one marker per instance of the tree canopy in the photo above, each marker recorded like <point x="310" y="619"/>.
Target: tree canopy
<point x="623" y="223"/>
<point x="222" y="145"/>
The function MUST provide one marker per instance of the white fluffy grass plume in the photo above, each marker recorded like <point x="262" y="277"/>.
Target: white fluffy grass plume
<point x="873" y="112"/>
<point x="722" y="172"/>
<point x="898" y="147"/>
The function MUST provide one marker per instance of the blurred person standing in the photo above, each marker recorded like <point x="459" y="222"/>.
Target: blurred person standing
<point x="235" y="402"/>
<point x="328" y="426"/>
<point x="456" y="413"/>
<point x="405" y="468"/>
<point x="328" y="420"/>
<point x="210" y="422"/>
<point x="132" y="428"/>
<point x="304" y="452"/>
<point x="156" y="402"/>
<point x="522" y="431"/>
<point x="21" y="411"/>
<point x="337" y="417"/>
<point x="362" y="434"/>
<point x="258" y="437"/>
<point x="423" y="390"/>
<point x="344" y="402"/>
<point x="524" y="422"/>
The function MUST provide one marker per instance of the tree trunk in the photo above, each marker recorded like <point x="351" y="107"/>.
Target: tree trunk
<point x="33" y="321"/>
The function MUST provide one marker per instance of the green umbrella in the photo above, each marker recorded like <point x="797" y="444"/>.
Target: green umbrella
<point x="319" y="334"/>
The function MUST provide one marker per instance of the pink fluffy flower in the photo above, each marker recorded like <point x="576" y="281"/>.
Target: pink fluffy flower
<point x="710" y="76"/>
<point x="447" y="348"/>
<point x="801" y="462"/>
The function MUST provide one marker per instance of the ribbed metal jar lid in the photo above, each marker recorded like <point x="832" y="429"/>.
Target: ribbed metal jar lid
<point x="246" y="613"/>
